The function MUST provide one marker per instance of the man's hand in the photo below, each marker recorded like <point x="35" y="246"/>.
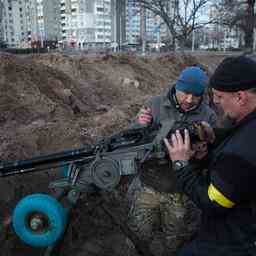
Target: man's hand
<point x="145" y="116"/>
<point x="178" y="148"/>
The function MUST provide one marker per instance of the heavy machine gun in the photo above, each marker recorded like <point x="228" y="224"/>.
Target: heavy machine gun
<point x="40" y="220"/>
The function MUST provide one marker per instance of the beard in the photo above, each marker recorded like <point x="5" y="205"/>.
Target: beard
<point x="229" y="121"/>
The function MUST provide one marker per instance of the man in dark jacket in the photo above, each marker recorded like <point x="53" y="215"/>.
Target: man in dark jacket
<point x="227" y="196"/>
<point x="158" y="211"/>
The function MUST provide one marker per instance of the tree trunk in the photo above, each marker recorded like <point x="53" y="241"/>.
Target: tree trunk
<point x="248" y="37"/>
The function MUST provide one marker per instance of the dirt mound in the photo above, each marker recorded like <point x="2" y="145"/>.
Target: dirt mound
<point x="49" y="103"/>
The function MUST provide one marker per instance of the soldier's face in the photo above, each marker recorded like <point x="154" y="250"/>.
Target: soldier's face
<point x="228" y="102"/>
<point x="187" y="101"/>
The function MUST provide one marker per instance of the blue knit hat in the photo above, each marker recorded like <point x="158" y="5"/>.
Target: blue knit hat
<point x="192" y="80"/>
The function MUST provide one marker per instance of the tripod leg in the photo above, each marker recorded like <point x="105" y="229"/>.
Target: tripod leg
<point x="69" y="204"/>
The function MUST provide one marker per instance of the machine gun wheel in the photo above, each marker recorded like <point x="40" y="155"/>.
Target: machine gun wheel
<point x="39" y="220"/>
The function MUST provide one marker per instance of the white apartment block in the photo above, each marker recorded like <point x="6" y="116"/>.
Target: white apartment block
<point x="78" y="23"/>
<point x="16" y="23"/>
<point x="28" y="21"/>
<point x="85" y="23"/>
<point x="47" y="18"/>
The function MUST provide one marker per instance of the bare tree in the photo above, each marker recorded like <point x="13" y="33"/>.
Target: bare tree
<point x="241" y="14"/>
<point x="180" y="16"/>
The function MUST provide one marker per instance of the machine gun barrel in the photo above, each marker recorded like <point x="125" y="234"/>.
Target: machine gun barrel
<point x="28" y="165"/>
<point x="124" y="139"/>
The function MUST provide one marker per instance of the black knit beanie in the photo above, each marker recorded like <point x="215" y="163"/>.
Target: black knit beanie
<point x="234" y="74"/>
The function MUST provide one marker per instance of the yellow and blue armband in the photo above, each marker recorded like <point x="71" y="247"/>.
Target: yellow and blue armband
<point x="216" y="196"/>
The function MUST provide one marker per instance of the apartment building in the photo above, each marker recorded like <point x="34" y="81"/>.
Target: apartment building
<point x="85" y="23"/>
<point x="15" y="23"/>
<point x="133" y="22"/>
<point x="47" y="20"/>
<point x="1" y="21"/>
<point x="118" y="22"/>
<point x="79" y="23"/>
<point x="76" y="23"/>
<point x="144" y="24"/>
<point x="29" y="21"/>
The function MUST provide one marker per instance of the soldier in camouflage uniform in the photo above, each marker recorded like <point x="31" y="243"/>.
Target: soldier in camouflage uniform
<point x="157" y="206"/>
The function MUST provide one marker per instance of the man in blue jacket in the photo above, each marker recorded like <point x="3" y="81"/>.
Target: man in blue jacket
<point x="227" y="196"/>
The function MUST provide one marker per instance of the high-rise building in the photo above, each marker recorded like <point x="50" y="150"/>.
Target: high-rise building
<point x="86" y="23"/>
<point x="47" y="18"/>
<point x="79" y="23"/>
<point x="133" y="22"/>
<point x="28" y="21"/>
<point x="118" y="23"/>
<point x="1" y="21"/>
<point x="144" y="24"/>
<point x="15" y="23"/>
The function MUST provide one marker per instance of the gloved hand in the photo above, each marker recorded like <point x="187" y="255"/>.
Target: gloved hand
<point x="200" y="149"/>
<point x="209" y="132"/>
<point x="145" y="116"/>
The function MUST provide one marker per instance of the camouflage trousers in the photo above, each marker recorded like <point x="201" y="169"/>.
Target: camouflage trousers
<point x="173" y="218"/>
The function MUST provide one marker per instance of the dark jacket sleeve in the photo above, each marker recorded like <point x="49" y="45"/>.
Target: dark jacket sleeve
<point x="196" y="187"/>
<point x="232" y="176"/>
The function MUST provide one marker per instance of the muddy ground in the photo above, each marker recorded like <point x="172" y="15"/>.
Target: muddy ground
<point x="50" y="103"/>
